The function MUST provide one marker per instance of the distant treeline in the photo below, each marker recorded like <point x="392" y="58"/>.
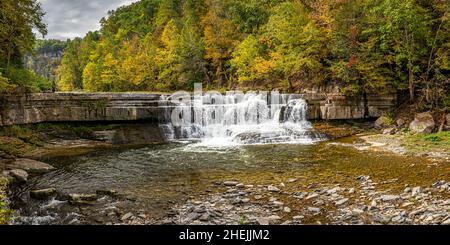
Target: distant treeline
<point x="361" y="45"/>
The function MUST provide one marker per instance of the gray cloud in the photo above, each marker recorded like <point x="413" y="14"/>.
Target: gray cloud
<point x="74" y="18"/>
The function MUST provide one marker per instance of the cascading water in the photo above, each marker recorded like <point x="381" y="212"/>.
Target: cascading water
<point x="238" y="119"/>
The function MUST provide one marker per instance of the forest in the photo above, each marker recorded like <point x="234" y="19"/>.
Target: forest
<point x="363" y="46"/>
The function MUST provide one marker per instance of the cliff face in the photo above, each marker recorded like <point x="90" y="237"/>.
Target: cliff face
<point x="72" y="107"/>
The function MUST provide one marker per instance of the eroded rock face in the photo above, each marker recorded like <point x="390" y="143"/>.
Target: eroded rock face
<point x="423" y="123"/>
<point x="327" y="103"/>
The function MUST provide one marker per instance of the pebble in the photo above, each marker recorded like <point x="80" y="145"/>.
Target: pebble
<point x="388" y="198"/>
<point x="292" y="180"/>
<point x="278" y="203"/>
<point x="126" y="216"/>
<point x="314" y="209"/>
<point x="312" y="195"/>
<point x="416" y="190"/>
<point x="273" y="188"/>
<point x="351" y="191"/>
<point x="287" y="210"/>
<point x="230" y="183"/>
<point x="342" y="201"/>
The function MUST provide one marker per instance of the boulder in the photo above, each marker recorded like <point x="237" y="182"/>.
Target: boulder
<point x="20" y="174"/>
<point x="382" y="122"/>
<point x="42" y="194"/>
<point x="423" y="123"/>
<point x="31" y="166"/>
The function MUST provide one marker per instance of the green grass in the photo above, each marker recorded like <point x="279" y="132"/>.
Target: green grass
<point x="5" y="213"/>
<point x="438" y="142"/>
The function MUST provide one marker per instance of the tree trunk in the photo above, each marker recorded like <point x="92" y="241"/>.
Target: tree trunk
<point x="411" y="84"/>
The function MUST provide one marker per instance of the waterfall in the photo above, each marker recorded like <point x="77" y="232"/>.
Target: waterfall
<point x="238" y="119"/>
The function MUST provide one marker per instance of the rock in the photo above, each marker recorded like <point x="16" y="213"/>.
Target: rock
<point x="333" y="190"/>
<point x="400" y="122"/>
<point x="278" y="203"/>
<point x="112" y="193"/>
<point x="193" y="216"/>
<point x="446" y="222"/>
<point x="390" y="131"/>
<point x="230" y="183"/>
<point x="257" y="197"/>
<point x="204" y="217"/>
<point x="388" y="198"/>
<point x="274" y="217"/>
<point x="416" y="190"/>
<point x="341" y="202"/>
<point x="357" y="211"/>
<point x="20" y="175"/>
<point x="423" y="123"/>
<point x="382" y="122"/>
<point x="407" y="190"/>
<point x="263" y="221"/>
<point x="351" y="191"/>
<point x="82" y="198"/>
<point x="126" y="216"/>
<point x="31" y="166"/>
<point x="314" y="209"/>
<point x="292" y="180"/>
<point x="240" y="185"/>
<point x="273" y="188"/>
<point x="287" y="210"/>
<point x="312" y="195"/>
<point x="298" y="217"/>
<point x="43" y="194"/>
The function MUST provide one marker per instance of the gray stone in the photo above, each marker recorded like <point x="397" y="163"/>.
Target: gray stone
<point x="423" y="123"/>
<point x="20" y="174"/>
<point x="341" y="202"/>
<point x="230" y="183"/>
<point x="416" y="190"/>
<point x="43" y="194"/>
<point x="263" y="221"/>
<point x="273" y="188"/>
<point x="287" y="209"/>
<point x="388" y="198"/>
<point x="312" y="195"/>
<point x="31" y="166"/>
<point x="314" y="209"/>
<point x="126" y="216"/>
<point x="278" y="203"/>
<point x="193" y="216"/>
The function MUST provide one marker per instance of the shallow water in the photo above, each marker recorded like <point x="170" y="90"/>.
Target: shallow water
<point x="155" y="177"/>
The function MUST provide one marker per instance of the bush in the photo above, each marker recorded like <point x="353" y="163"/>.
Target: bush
<point x="22" y="78"/>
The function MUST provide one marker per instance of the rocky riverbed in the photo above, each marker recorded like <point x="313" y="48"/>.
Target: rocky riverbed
<point x="289" y="203"/>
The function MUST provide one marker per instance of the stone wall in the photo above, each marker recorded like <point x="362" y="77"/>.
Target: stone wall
<point x="72" y="107"/>
<point x="328" y="104"/>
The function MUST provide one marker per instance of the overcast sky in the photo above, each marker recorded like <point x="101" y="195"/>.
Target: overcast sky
<point x="74" y="18"/>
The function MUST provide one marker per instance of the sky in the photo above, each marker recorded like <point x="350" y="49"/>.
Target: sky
<point x="74" y="18"/>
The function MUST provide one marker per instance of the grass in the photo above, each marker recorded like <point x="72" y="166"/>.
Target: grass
<point x="5" y="213"/>
<point x="437" y="142"/>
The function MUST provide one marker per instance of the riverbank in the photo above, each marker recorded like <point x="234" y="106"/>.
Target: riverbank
<point x="344" y="195"/>
<point x="436" y="145"/>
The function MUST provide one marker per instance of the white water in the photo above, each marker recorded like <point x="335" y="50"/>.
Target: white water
<point x="243" y="121"/>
